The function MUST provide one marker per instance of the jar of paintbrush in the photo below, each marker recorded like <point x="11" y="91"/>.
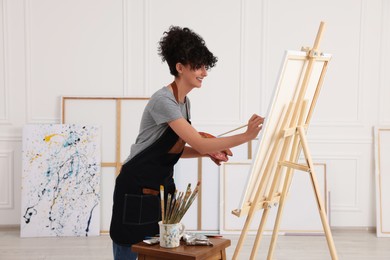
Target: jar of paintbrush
<point x="172" y="211"/>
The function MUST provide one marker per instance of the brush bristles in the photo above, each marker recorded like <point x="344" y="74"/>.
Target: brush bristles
<point x="177" y="207"/>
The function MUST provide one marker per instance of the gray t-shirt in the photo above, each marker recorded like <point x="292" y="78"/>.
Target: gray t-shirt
<point x="161" y="109"/>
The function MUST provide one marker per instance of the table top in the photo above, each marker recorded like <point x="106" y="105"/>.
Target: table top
<point x="183" y="251"/>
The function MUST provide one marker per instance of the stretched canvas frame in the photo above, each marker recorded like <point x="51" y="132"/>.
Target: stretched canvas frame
<point x="119" y="119"/>
<point x="111" y="114"/>
<point x="60" y="180"/>
<point x="382" y="179"/>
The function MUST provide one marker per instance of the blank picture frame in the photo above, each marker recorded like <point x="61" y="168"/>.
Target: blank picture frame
<point x="382" y="180"/>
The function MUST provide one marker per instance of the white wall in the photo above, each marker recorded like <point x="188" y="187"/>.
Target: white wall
<point x="50" y="48"/>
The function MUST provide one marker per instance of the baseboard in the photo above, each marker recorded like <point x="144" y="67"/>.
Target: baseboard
<point x="9" y="227"/>
<point x="368" y="229"/>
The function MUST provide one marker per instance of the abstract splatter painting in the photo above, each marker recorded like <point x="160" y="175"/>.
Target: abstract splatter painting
<point x="60" y="180"/>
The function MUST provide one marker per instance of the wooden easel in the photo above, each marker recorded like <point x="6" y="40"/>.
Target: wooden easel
<point x="291" y="139"/>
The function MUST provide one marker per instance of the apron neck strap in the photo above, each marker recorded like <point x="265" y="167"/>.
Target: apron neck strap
<point x="176" y="94"/>
<point x="175" y="91"/>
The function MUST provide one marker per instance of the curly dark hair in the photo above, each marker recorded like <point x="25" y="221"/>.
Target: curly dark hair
<point x="182" y="45"/>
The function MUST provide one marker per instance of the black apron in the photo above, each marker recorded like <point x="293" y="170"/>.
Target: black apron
<point x="136" y="215"/>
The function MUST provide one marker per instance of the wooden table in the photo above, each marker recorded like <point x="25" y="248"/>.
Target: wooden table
<point x="183" y="252"/>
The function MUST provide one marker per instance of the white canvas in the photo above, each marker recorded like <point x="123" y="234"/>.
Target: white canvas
<point x="60" y="180"/>
<point x="287" y="90"/>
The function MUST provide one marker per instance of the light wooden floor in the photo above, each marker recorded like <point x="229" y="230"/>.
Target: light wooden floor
<point x="350" y="244"/>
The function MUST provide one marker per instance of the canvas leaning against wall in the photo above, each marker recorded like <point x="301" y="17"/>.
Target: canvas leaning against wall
<point x="60" y="180"/>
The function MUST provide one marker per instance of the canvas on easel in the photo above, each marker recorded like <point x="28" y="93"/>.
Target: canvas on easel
<point x="282" y="139"/>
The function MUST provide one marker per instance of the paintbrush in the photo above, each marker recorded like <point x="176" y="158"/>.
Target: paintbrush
<point x="167" y="207"/>
<point x="162" y="202"/>
<point x="175" y="208"/>
<point x="190" y="201"/>
<point x="171" y="206"/>
<point x="184" y="201"/>
<point x="235" y="129"/>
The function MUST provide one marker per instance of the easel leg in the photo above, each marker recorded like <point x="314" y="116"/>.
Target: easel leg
<point x="320" y="203"/>
<point x="259" y="234"/>
<point x="286" y="186"/>
<point x="243" y="234"/>
<point x="282" y="200"/>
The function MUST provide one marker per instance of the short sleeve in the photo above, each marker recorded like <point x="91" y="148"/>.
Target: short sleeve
<point x="164" y="109"/>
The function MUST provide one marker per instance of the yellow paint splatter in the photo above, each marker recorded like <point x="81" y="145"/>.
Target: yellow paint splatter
<point x="49" y="137"/>
<point x="35" y="157"/>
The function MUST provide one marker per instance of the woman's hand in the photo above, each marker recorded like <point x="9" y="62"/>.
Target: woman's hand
<point x="217" y="157"/>
<point x="255" y="124"/>
<point x="215" y="160"/>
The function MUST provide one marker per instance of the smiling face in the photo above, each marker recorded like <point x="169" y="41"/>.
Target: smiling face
<point x="191" y="77"/>
<point x="183" y="46"/>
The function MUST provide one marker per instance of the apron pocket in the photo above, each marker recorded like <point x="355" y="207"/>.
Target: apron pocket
<point x="141" y="209"/>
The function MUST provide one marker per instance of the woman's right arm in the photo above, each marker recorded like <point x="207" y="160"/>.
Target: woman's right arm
<point x="208" y="145"/>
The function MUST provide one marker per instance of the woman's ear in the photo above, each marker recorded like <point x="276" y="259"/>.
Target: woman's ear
<point x="179" y="67"/>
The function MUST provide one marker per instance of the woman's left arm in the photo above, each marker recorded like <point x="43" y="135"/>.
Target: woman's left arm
<point x="190" y="152"/>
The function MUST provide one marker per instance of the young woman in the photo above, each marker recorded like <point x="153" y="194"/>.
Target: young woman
<point x="164" y="132"/>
